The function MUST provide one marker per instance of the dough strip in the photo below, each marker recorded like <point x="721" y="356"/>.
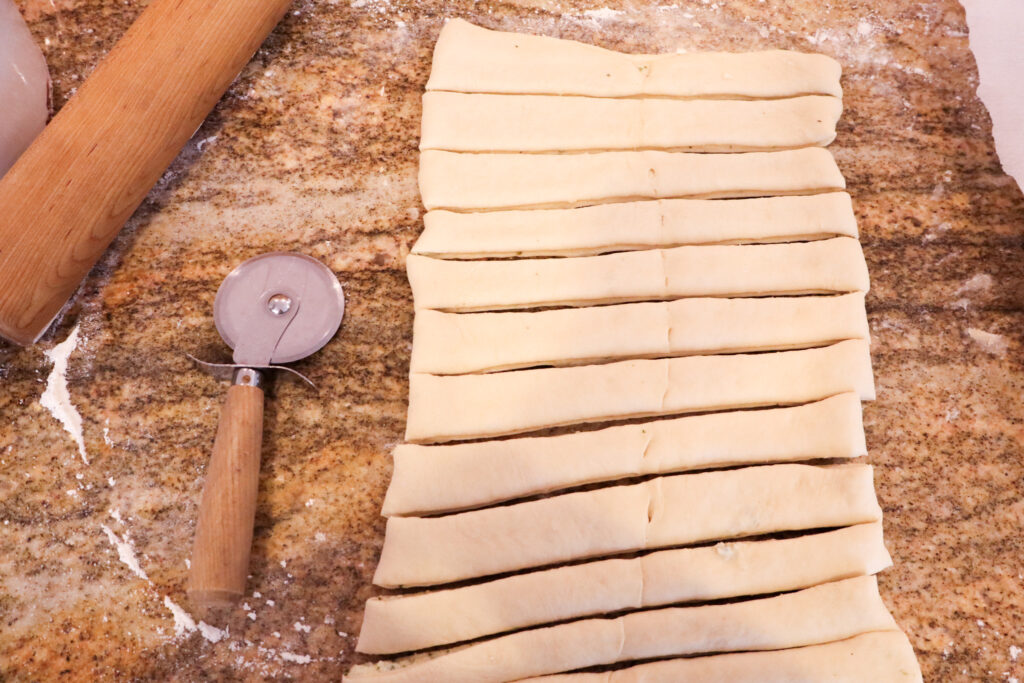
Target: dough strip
<point x="879" y="657"/>
<point x="828" y="266"/>
<point x="661" y="512"/>
<point x="421" y="620"/>
<point x="454" y="407"/>
<point x="458" y="122"/>
<point x="460" y="343"/>
<point x="470" y="58"/>
<point x="489" y="472"/>
<point x="826" y="613"/>
<point x="473" y="182"/>
<point x="631" y="226"/>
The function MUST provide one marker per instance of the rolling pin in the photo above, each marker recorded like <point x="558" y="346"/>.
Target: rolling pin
<point x="73" y="189"/>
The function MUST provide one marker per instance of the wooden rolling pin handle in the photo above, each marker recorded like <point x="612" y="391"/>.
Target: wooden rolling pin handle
<point x="227" y="510"/>
<point x="73" y="189"/>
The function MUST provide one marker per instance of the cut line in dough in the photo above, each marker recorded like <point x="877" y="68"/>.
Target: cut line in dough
<point x="825" y="613"/>
<point x="446" y="478"/>
<point x="454" y="407"/>
<point x="878" y="657"/>
<point x="420" y="620"/>
<point x="458" y="122"/>
<point x="470" y="58"/>
<point x="661" y="512"/>
<point x="632" y="226"/>
<point x="460" y="343"/>
<point x="473" y="182"/>
<point x="827" y="266"/>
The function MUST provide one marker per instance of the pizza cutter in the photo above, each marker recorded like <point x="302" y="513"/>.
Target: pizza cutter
<point x="274" y="308"/>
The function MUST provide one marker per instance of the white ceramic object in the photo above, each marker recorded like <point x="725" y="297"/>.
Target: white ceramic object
<point x="24" y="86"/>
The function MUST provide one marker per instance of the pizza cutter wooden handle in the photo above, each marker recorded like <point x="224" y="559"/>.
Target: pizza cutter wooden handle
<point x="227" y="510"/>
<point x="71" y="191"/>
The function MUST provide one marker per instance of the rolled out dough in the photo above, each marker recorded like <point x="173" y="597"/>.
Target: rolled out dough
<point x="468" y="182"/>
<point x="630" y="226"/>
<point x="469" y="58"/>
<point x="453" y="407"/>
<point x="661" y="512"/>
<point x="459" y="122"/>
<point x="878" y="657"/>
<point x="457" y="343"/>
<point x="825" y="613"/>
<point x="827" y="266"/>
<point x="421" y="620"/>
<point x="495" y="471"/>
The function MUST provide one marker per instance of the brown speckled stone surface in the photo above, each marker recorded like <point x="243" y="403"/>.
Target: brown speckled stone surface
<point x="314" y="148"/>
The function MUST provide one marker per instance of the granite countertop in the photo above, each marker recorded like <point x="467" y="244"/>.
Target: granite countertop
<point x="314" y="149"/>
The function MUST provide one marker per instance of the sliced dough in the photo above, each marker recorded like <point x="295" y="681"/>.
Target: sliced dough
<point x="496" y="471"/>
<point x="631" y="226"/>
<point x="455" y="343"/>
<point x="468" y="182"/>
<point x="458" y="122"/>
<point x="826" y="266"/>
<point x="830" y="612"/>
<point x="452" y="407"/>
<point x="469" y="58"/>
<point x="421" y="620"/>
<point x="689" y="508"/>
<point x="878" y="657"/>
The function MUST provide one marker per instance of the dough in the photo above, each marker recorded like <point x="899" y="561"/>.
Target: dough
<point x="495" y="471"/>
<point x="452" y="407"/>
<point x="661" y="512"/>
<point x="825" y="266"/>
<point x="421" y="620"/>
<point x="469" y="58"/>
<point x="635" y="225"/>
<point x="456" y="343"/>
<point x="826" y="613"/>
<point x="878" y="657"/>
<point x="535" y="123"/>
<point x="467" y="182"/>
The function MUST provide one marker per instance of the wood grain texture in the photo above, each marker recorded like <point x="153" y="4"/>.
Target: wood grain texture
<point x="76" y="185"/>
<point x="220" y="552"/>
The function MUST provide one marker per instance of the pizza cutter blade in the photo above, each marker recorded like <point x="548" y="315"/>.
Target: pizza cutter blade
<point x="274" y="308"/>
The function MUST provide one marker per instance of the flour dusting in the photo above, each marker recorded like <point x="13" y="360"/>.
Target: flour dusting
<point x="125" y="552"/>
<point x="603" y="14"/>
<point x="57" y="399"/>
<point x="995" y="344"/>
<point x="982" y="282"/>
<point x="297" y="659"/>
<point x="183" y="621"/>
<point x="212" y="633"/>
<point x="184" y="624"/>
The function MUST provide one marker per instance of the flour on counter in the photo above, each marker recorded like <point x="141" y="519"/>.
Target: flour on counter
<point x="982" y="282"/>
<point x="184" y="624"/>
<point x="57" y="399"/>
<point x="183" y="621"/>
<point x="297" y="659"/>
<point x="212" y="633"/>
<point x="125" y="552"/>
<point x="995" y="344"/>
<point x="603" y="14"/>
